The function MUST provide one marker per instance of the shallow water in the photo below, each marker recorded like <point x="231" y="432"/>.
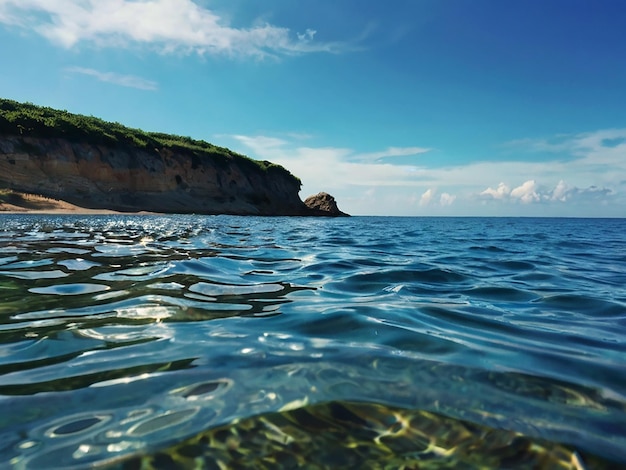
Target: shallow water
<point x="124" y="336"/>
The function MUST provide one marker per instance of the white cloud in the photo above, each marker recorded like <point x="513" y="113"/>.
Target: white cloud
<point x="526" y="193"/>
<point x="427" y="197"/>
<point x="607" y="146"/>
<point x="602" y="147"/>
<point x="530" y="192"/>
<point x="309" y="34"/>
<point x="563" y="193"/>
<point x="330" y="167"/>
<point x="446" y="199"/>
<point x="559" y="193"/>
<point x="576" y="186"/>
<point x="262" y="144"/>
<point x="130" y="81"/>
<point x="389" y="152"/>
<point x="501" y="192"/>
<point x="168" y="25"/>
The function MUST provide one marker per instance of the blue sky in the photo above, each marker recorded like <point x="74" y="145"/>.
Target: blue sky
<point x="409" y="107"/>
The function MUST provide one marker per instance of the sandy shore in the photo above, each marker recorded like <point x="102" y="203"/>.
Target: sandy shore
<point x="14" y="202"/>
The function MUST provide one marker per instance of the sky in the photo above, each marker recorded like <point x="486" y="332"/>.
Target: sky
<point x="406" y="107"/>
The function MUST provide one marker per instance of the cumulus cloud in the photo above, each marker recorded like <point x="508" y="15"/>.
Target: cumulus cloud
<point x="500" y="192"/>
<point x="559" y="193"/>
<point x="330" y="167"/>
<point x="589" y="194"/>
<point x="130" y="81"/>
<point x="376" y="186"/>
<point x="168" y="25"/>
<point x="446" y="199"/>
<point x="427" y="197"/>
<point x="526" y="193"/>
<point x="530" y="192"/>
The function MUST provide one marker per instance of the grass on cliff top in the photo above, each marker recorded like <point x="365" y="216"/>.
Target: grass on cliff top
<point x="30" y="120"/>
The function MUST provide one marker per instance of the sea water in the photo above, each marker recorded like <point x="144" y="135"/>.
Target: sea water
<point x="122" y="336"/>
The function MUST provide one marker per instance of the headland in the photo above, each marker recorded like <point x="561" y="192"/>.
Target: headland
<point x="87" y="164"/>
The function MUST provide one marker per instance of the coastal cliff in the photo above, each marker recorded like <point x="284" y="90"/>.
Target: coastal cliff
<point x="98" y="165"/>
<point x="124" y="178"/>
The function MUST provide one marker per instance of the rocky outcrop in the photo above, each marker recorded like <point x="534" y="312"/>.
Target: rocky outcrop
<point x="125" y="178"/>
<point x="323" y="204"/>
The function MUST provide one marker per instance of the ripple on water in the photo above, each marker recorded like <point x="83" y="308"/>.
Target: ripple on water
<point x="70" y="289"/>
<point x="215" y="290"/>
<point x="35" y="275"/>
<point x="583" y="305"/>
<point x="376" y="282"/>
<point x="121" y="334"/>
<point x="504" y="294"/>
<point x="162" y="422"/>
<point x="514" y="265"/>
<point x="77" y="425"/>
<point x="78" y="264"/>
<point x="204" y="390"/>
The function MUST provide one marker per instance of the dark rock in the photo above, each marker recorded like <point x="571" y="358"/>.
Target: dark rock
<point x="323" y="204"/>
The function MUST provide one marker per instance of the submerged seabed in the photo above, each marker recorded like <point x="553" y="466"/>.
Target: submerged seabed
<point x="195" y="341"/>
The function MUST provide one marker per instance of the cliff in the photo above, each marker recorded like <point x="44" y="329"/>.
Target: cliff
<point x="124" y="178"/>
<point x="100" y="165"/>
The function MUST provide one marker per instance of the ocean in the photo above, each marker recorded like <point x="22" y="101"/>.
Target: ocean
<point x="147" y="341"/>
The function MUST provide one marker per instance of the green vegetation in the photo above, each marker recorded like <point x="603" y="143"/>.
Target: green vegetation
<point x="5" y="195"/>
<point x="30" y="120"/>
<point x="25" y="201"/>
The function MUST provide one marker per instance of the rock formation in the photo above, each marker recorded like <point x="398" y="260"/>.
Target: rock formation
<point x="96" y="164"/>
<point x="323" y="204"/>
<point x="129" y="179"/>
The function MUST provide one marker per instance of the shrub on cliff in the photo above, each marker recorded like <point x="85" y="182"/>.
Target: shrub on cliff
<point x="27" y="119"/>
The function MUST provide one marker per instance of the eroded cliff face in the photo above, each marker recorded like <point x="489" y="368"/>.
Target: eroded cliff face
<point x="132" y="179"/>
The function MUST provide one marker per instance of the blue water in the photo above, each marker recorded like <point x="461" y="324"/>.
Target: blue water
<point x="121" y="335"/>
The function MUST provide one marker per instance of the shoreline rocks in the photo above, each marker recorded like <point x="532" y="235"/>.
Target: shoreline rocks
<point x="323" y="204"/>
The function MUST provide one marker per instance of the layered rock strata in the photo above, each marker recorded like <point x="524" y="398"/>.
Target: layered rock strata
<point x="124" y="178"/>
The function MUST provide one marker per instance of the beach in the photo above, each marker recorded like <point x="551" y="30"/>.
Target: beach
<point x="15" y="202"/>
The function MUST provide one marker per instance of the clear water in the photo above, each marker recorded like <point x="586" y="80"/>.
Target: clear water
<point x="125" y="335"/>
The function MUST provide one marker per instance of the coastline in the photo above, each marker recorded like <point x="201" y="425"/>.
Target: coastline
<point x="23" y="203"/>
<point x="17" y="202"/>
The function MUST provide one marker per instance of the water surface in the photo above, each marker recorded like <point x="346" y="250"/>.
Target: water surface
<point x="125" y="337"/>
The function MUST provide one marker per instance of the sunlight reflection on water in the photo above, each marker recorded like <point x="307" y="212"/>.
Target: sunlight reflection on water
<point x="121" y="334"/>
